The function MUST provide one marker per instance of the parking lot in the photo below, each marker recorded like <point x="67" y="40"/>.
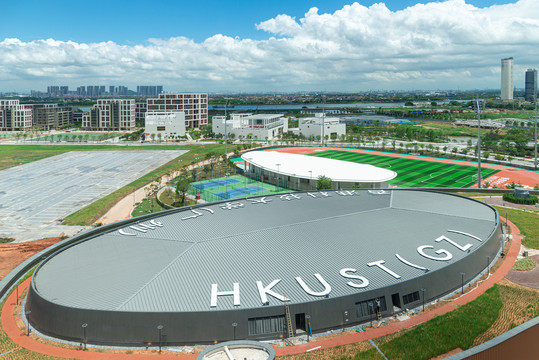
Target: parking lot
<point x="34" y="196"/>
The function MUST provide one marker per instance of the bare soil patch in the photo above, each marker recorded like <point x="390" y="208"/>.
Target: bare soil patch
<point x="12" y="254"/>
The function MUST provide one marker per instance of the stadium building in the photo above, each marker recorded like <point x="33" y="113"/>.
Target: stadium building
<point x="301" y="172"/>
<point x="234" y="269"/>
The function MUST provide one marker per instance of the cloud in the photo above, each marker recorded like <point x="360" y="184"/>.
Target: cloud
<point x="446" y="44"/>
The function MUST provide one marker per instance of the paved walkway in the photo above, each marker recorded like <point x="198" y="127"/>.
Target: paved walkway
<point x="10" y="327"/>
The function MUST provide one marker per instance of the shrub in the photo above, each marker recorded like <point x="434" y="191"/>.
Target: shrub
<point x="516" y="200"/>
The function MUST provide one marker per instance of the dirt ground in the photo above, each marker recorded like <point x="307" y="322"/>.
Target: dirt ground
<point x="12" y="254"/>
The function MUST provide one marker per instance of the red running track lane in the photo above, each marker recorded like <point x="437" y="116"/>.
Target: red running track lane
<point x="505" y="176"/>
<point x="9" y="325"/>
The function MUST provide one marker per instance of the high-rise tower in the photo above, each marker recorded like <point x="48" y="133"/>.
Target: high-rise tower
<point x="531" y="85"/>
<point x="507" y="79"/>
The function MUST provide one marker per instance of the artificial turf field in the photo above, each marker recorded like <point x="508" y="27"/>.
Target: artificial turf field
<point x="415" y="173"/>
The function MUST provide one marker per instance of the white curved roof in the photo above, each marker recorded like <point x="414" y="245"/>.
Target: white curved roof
<point x="302" y="165"/>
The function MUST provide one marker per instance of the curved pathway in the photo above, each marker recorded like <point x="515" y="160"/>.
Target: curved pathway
<point x="9" y="324"/>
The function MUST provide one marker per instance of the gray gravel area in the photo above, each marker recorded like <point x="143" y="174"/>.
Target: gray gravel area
<point x="34" y="196"/>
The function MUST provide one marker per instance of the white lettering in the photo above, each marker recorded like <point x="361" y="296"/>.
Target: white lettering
<point x="463" y="233"/>
<point x="410" y="264"/>
<point x="364" y="281"/>
<point x="379" y="264"/>
<point x="327" y="287"/>
<point x="267" y="290"/>
<point x="125" y="233"/>
<point x="215" y="293"/>
<point x="463" y="248"/>
<point x="448" y="255"/>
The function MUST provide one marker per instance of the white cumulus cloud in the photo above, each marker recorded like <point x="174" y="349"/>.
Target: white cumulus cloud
<point x="445" y="44"/>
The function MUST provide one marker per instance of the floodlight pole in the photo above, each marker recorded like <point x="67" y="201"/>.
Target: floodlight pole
<point x="462" y="282"/>
<point x="478" y="144"/>
<point x="535" y="147"/>
<point x="423" y="293"/>
<point x="226" y="133"/>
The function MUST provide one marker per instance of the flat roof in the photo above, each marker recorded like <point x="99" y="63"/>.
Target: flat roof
<point x="200" y="258"/>
<point x="311" y="167"/>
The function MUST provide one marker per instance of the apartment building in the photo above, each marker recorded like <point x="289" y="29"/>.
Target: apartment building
<point x="111" y="114"/>
<point x="14" y="116"/>
<point x="195" y="107"/>
<point x="51" y="116"/>
<point x="164" y="125"/>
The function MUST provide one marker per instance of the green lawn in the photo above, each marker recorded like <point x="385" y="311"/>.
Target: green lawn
<point x="527" y="222"/>
<point x="76" y="136"/>
<point x="415" y="173"/>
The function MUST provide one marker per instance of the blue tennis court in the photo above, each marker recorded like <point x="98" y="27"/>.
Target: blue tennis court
<point x="215" y="183"/>
<point x="240" y="192"/>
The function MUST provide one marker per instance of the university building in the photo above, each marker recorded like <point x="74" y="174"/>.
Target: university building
<point x="111" y="114"/>
<point x="14" y="116"/>
<point x="195" y="107"/>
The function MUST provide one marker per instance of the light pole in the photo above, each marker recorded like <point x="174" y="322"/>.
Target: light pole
<point x="277" y="182"/>
<point x="234" y="326"/>
<point x="226" y="133"/>
<point x="308" y="317"/>
<point x="478" y="144"/>
<point x="84" y="340"/>
<point x="311" y="179"/>
<point x="462" y="282"/>
<point x="17" y="294"/>
<point x="423" y="293"/>
<point x="488" y="264"/>
<point x="159" y="329"/>
<point x="535" y="147"/>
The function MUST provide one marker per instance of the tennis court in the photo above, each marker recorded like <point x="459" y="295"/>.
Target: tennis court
<point x="415" y="173"/>
<point x="235" y="186"/>
<point x="215" y="183"/>
<point x="240" y="192"/>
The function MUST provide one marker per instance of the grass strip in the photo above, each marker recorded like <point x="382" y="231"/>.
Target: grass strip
<point x="456" y="329"/>
<point x="526" y="222"/>
<point x="91" y="213"/>
<point x="525" y="264"/>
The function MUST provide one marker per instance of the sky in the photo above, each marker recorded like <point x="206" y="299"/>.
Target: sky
<point x="266" y="46"/>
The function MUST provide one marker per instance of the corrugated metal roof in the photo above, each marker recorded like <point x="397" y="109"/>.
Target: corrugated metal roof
<point x="170" y="264"/>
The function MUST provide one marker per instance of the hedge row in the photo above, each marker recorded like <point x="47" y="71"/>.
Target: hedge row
<point x="513" y="199"/>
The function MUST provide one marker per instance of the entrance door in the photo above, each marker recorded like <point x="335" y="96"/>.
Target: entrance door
<point x="396" y="299"/>
<point x="300" y="322"/>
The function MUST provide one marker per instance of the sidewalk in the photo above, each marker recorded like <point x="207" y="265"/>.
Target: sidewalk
<point x="10" y="327"/>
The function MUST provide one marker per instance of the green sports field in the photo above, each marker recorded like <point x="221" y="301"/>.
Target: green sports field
<point x="415" y="173"/>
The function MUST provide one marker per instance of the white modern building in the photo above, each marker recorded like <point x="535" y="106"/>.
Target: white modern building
<point x="14" y="116"/>
<point x="111" y="114"/>
<point x="321" y="127"/>
<point x="248" y="126"/>
<point x="507" y="79"/>
<point x="301" y="172"/>
<point x="166" y="125"/>
<point x="195" y="107"/>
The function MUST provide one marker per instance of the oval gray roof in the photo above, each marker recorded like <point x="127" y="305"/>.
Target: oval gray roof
<point x="177" y="260"/>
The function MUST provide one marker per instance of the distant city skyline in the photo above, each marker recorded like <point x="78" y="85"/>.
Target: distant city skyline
<point x="277" y="46"/>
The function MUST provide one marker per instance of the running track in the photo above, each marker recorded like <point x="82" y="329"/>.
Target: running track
<point x="506" y="174"/>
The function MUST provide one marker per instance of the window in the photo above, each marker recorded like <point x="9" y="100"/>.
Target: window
<point x="368" y="307"/>
<point x="266" y="325"/>
<point x="410" y="297"/>
<point x="160" y="128"/>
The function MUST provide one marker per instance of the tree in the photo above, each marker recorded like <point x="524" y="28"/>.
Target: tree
<point x="182" y="185"/>
<point x="324" y="183"/>
<point x="408" y="103"/>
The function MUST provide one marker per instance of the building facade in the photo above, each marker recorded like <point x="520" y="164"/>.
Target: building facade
<point x="51" y="116"/>
<point x="507" y="79"/>
<point x="164" y="125"/>
<point x="149" y="90"/>
<point x="111" y="114"/>
<point x="140" y="112"/>
<point x="531" y="85"/>
<point x="195" y="107"/>
<point x="14" y="116"/>
<point x="248" y="126"/>
<point x="312" y="127"/>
